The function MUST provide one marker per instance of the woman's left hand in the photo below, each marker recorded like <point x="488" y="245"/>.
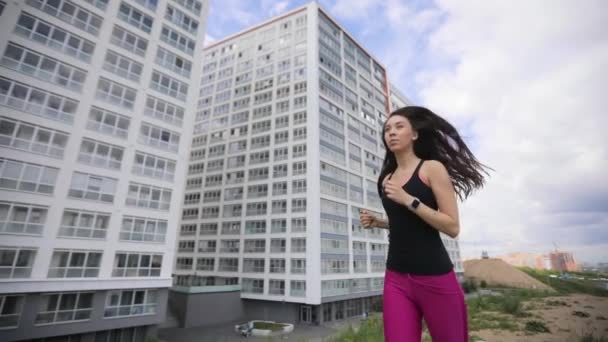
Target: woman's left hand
<point x="396" y="193"/>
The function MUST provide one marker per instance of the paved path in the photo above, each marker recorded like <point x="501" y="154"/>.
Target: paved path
<point x="225" y="333"/>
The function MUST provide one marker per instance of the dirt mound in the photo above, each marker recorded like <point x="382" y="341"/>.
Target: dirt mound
<point x="498" y="272"/>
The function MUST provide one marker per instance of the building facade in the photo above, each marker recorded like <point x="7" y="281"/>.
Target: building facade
<point x="95" y="127"/>
<point x="286" y="151"/>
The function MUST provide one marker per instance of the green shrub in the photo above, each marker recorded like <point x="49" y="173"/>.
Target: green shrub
<point x="536" y="327"/>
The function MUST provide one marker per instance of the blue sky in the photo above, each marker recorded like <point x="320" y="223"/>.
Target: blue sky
<point x="524" y="82"/>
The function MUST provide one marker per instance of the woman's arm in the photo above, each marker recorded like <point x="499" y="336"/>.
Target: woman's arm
<point x="380" y="223"/>
<point x="445" y="219"/>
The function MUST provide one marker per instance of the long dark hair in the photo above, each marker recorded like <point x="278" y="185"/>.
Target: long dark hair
<point x="439" y="140"/>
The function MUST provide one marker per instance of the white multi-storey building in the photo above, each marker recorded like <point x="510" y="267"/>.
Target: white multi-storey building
<point x="286" y="150"/>
<point x="95" y="126"/>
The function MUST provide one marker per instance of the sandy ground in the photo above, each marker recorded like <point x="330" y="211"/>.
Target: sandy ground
<point x="564" y="326"/>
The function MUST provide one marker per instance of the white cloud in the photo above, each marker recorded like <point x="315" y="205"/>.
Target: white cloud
<point x="531" y="80"/>
<point x="208" y="40"/>
<point x="353" y="9"/>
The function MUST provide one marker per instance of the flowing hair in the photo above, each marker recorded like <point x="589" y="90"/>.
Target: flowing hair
<point x="439" y="140"/>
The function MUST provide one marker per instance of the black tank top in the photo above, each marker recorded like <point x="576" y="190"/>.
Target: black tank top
<point x="414" y="246"/>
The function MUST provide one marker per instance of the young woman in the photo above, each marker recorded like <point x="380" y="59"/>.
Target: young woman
<point x="426" y="165"/>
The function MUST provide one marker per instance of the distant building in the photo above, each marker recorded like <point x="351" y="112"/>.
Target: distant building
<point x="520" y="259"/>
<point x="562" y="261"/>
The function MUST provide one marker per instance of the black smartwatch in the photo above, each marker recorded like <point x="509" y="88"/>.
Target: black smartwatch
<point x="415" y="204"/>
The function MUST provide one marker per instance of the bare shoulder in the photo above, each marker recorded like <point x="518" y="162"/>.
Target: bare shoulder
<point x="434" y="170"/>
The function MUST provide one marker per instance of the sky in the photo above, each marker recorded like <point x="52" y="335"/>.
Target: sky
<point x="525" y="83"/>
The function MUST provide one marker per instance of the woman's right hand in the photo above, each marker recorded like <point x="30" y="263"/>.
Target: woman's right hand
<point x="367" y="220"/>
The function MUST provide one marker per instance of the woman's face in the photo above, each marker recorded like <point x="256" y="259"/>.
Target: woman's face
<point x="398" y="133"/>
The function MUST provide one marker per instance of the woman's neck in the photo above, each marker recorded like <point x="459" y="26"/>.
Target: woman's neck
<point x="406" y="159"/>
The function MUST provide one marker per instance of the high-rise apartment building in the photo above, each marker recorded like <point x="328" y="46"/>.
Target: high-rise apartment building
<point x="286" y="150"/>
<point x="95" y="126"/>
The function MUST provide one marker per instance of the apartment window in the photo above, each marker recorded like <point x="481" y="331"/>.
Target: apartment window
<point x="184" y="264"/>
<point x="253" y="285"/>
<point x="173" y="62"/>
<point x="36" y="101"/>
<point x="279" y="188"/>
<point x="279" y="207"/>
<point x="205" y="264"/>
<point x="129" y="41"/>
<point x="236" y="161"/>
<point x="150" y="4"/>
<point x="278" y="226"/>
<point x="148" y="196"/>
<point x="278" y="246"/>
<point x="254" y="265"/>
<point x="231" y="228"/>
<point x="229" y="265"/>
<point x="16" y="262"/>
<point x="298" y="225"/>
<point x="137" y="265"/>
<point x="298" y="266"/>
<point x="299" y="133"/>
<point x="169" y="86"/>
<point x="180" y="19"/>
<point x="255" y="227"/>
<point x="52" y="36"/>
<point x="131" y="303"/>
<point x="299" y="118"/>
<point x="298" y="168"/>
<point x="260" y="142"/>
<point x="70" y="13"/>
<point x="298" y="186"/>
<point x="115" y="93"/>
<point x="92" y="187"/>
<point x="158" y="137"/>
<point x="193" y="5"/>
<point x="208" y="229"/>
<point x="122" y="66"/>
<point x="17" y="175"/>
<point x="277" y="265"/>
<point x="230" y="246"/>
<point x="299" y="151"/>
<point x="22" y="218"/>
<point x="74" y="264"/>
<point x="298" y="245"/>
<point x="210" y="212"/>
<point x="298" y="288"/>
<point x="276" y="287"/>
<point x="261" y="126"/>
<point x="259" y="157"/>
<point x="152" y="166"/>
<point x="43" y="67"/>
<point x="106" y="122"/>
<point x="217" y="151"/>
<point x="193" y="198"/>
<point x="65" y="307"/>
<point x="36" y="139"/>
<point x="256" y="208"/>
<point x="281" y="121"/>
<point x="10" y="307"/>
<point x="262" y="112"/>
<point x="100" y="154"/>
<point x="258" y="174"/>
<point x="255" y="246"/>
<point x="84" y="224"/>
<point x="236" y="177"/>
<point x="135" y="18"/>
<point x="143" y="229"/>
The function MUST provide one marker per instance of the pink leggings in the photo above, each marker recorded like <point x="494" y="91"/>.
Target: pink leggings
<point x="437" y="298"/>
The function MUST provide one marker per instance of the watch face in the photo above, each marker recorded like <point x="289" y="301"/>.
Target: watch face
<point x="415" y="203"/>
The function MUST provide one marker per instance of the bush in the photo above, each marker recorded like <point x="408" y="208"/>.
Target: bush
<point x="483" y="284"/>
<point x="536" y="327"/>
<point x="469" y="286"/>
